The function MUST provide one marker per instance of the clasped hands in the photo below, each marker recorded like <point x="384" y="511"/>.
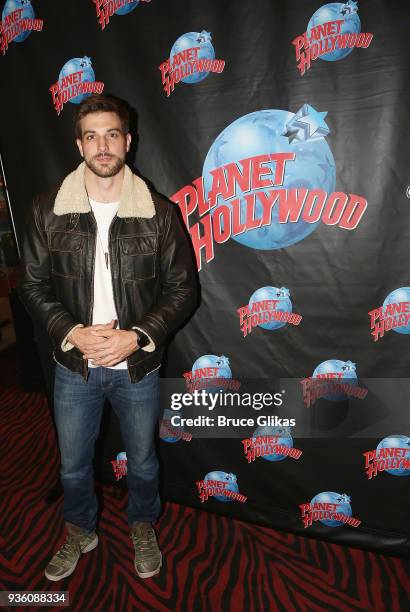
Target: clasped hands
<point x="103" y="344"/>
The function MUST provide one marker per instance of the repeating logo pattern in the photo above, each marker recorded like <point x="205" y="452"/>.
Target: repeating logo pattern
<point x="331" y="35"/>
<point x="105" y="9"/>
<point x="269" y="308"/>
<point x="220" y="485"/>
<point x="17" y="22"/>
<point x="392" y="456"/>
<point x="210" y="372"/>
<point x="329" y="508"/>
<point x="271" y="443"/>
<point x="119" y="465"/>
<point x="334" y="380"/>
<point x="191" y="60"/>
<point x="76" y="81"/>
<point x="170" y="432"/>
<point x="393" y="315"/>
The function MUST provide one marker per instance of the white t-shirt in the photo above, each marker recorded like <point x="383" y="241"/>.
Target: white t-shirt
<point x="104" y="306"/>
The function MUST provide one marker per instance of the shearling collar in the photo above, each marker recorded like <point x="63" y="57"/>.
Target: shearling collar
<point x="135" y="199"/>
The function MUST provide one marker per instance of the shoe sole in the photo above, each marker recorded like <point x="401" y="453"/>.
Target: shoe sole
<point x="87" y="549"/>
<point x="150" y="574"/>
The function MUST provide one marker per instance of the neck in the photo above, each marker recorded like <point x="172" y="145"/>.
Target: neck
<point x="103" y="189"/>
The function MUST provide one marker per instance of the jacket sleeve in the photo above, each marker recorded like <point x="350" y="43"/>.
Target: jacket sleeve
<point x="36" y="290"/>
<point x="178" y="276"/>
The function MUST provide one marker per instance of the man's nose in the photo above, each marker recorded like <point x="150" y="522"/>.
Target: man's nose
<point x="102" y="144"/>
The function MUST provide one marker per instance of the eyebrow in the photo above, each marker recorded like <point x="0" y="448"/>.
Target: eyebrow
<point x="109" y="130"/>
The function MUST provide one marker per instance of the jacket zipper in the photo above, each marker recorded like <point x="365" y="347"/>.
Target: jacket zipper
<point x="86" y="370"/>
<point x="112" y="283"/>
<point x="111" y="259"/>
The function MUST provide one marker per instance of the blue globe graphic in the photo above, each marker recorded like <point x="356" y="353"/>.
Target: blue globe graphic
<point x="224" y="477"/>
<point x="332" y="12"/>
<point x="396" y="441"/>
<point x="166" y="424"/>
<point x="395" y="297"/>
<point x="213" y="361"/>
<point x="206" y="51"/>
<point x="27" y="13"/>
<point x="283" y="438"/>
<point x="262" y="133"/>
<point x="335" y="366"/>
<point x="75" y="65"/>
<point x="129" y="6"/>
<point x="272" y="293"/>
<point x="343" y="506"/>
<point x="122" y="456"/>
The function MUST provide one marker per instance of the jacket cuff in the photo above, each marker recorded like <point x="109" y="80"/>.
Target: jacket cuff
<point x="154" y="328"/>
<point x="66" y="345"/>
<point x="150" y="348"/>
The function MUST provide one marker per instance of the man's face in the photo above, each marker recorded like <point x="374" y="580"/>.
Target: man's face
<point x="103" y="145"/>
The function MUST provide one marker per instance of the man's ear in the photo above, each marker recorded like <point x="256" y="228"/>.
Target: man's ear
<point x="128" y="138"/>
<point x="80" y="147"/>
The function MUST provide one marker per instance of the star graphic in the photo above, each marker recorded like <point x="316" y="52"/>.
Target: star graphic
<point x="292" y="134"/>
<point x="349" y="8"/>
<point x="343" y="498"/>
<point x="204" y="36"/>
<point x="306" y="124"/>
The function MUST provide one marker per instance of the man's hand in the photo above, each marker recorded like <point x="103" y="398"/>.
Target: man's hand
<point x="114" y="346"/>
<point x="83" y="338"/>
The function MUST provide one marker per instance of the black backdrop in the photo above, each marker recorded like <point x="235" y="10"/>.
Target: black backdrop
<point x="334" y="276"/>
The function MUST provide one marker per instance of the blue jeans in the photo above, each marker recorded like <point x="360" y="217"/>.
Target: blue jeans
<point x="78" y="409"/>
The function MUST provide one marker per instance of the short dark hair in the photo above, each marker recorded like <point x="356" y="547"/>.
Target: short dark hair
<point x="102" y="104"/>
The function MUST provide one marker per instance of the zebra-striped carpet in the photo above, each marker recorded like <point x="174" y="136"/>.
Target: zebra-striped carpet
<point x="210" y="562"/>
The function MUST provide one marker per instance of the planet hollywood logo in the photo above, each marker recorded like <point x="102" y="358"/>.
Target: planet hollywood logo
<point x="76" y="81"/>
<point x="191" y="60"/>
<point x="119" y="466"/>
<point x="392" y="455"/>
<point x="329" y="508"/>
<point x="17" y="22"/>
<point x="269" y="308"/>
<point x="393" y="315"/>
<point x="105" y="9"/>
<point x="334" y="380"/>
<point x="172" y="433"/>
<point x="332" y="33"/>
<point x="221" y="486"/>
<point x="267" y="181"/>
<point x="210" y="372"/>
<point x="270" y="443"/>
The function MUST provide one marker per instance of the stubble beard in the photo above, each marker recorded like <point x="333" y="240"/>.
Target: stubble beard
<point x="107" y="171"/>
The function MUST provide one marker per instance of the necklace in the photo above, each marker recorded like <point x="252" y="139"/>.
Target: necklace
<point x="103" y="250"/>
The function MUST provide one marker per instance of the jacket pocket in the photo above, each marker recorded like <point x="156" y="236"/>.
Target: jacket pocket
<point x="66" y="253"/>
<point x="138" y="257"/>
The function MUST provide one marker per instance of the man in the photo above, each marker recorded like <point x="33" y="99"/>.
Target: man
<point x="108" y="271"/>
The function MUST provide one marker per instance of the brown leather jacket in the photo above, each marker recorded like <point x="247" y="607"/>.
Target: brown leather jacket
<point x="152" y="267"/>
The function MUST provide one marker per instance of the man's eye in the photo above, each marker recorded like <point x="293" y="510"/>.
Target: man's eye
<point x="114" y="134"/>
<point x="90" y="136"/>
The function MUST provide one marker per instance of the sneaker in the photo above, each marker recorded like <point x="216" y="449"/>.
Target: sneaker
<point x="148" y="558"/>
<point x="66" y="558"/>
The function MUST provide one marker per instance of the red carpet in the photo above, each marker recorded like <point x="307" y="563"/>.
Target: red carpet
<point x="210" y="562"/>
